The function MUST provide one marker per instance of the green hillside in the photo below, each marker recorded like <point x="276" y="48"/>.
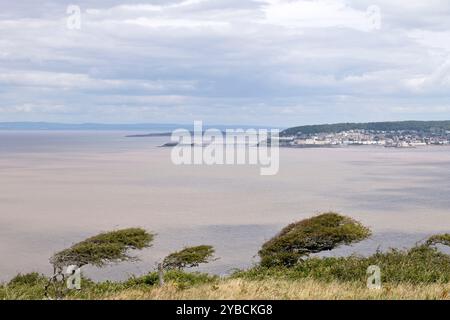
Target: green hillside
<point x="380" y="126"/>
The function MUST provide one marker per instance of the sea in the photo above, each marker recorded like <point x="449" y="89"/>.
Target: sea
<point x="59" y="187"/>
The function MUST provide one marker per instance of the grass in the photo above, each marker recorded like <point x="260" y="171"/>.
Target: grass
<point x="276" y="289"/>
<point x="422" y="272"/>
<point x="31" y="286"/>
<point x="242" y="289"/>
<point x="419" y="265"/>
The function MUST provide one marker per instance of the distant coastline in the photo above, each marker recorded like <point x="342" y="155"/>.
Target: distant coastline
<point x="146" y="127"/>
<point x="161" y="134"/>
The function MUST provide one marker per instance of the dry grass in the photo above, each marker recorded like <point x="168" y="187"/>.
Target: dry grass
<point x="281" y="289"/>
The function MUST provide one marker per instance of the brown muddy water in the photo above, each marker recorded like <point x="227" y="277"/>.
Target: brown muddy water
<point x="57" y="188"/>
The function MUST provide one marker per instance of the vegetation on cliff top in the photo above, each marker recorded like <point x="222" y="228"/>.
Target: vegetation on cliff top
<point x="426" y="126"/>
<point x="288" y="268"/>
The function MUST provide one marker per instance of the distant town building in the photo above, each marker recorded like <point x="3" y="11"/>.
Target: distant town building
<point x="395" y="139"/>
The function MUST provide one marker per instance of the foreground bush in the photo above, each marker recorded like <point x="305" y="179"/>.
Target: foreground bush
<point x="27" y="279"/>
<point x="419" y="265"/>
<point x="31" y="286"/>
<point x="422" y="271"/>
<point x="178" y="278"/>
<point x="323" y="232"/>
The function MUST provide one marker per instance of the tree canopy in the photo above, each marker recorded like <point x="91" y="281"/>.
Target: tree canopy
<point x="323" y="232"/>
<point x="108" y="247"/>
<point x="189" y="257"/>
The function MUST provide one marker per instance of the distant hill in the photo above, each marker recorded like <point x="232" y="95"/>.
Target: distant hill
<point x="151" y="128"/>
<point x="380" y="126"/>
<point x="87" y="126"/>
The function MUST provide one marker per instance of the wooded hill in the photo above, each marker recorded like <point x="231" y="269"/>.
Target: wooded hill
<point x="424" y="126"/>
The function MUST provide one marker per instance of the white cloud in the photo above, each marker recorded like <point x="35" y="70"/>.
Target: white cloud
<point x="177" y="23"/>
<point x="321" y="14"/>
<point x="436" y="81"/>
<point x="83" y="81"/>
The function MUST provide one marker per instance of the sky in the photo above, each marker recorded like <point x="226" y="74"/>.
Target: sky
<point x="266" y="62"/>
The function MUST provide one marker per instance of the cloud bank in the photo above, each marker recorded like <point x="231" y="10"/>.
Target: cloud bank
<point x="274" y="62"/>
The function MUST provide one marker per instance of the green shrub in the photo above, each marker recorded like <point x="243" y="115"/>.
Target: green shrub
<point x="180" y="278"/>
<point x="323" y="232"/>
<point x="420" y="264"/>
<point x="27" y="279"/>
<point x="150" y="279"/>
<point x="188" y="279"/>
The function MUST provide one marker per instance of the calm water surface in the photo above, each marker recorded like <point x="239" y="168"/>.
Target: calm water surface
<point x="57" y="188"/>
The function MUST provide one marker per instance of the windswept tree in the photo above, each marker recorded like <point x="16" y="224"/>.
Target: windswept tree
<point x="300" y="239"/>
<point x="99" y="250"/>
<point x="102" y="249"/>
<point x="189" y="257"/>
